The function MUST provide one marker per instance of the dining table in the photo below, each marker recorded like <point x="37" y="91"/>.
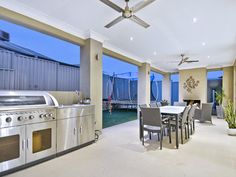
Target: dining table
<point x="173" y="112"/>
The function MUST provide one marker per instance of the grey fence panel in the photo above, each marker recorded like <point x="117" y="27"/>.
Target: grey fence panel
<point x="6" y="71"/>
<point x="33" y="73"/>
<point x="21" y="72"/>
<point x="134" y="89"/>
<point x="68" y="78"/>
<point x="107" y="84"/>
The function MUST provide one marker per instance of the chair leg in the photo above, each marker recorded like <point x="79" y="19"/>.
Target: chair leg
<point x="182" y="141"/>
<point x="150" y="135"/>
<point x="161" y="139"/>
<point x="158" y="136"/>
<point x="193" y="125"/>
<point x="188" y="130"/>
<point x="170" y="134"/>
<point x="185" y="131"/>
<point x="143" y="139"/>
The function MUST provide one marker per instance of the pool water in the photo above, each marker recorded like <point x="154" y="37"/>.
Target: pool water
<point x="118" y="117"/>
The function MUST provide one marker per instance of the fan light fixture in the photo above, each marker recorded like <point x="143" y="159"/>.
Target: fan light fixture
<point x="128" y="12"/>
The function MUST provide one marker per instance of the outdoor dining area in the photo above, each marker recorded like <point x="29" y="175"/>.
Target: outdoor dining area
<point x="163" y="120"/>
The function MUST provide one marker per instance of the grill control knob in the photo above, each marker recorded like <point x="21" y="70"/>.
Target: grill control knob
<point x="8" y="119"/>
<point x="47" y="115"/>
<point x="50" y="115"/>
<point x="20" y="118"/>
<point x="31" y="117"/>
<point x="41" y="115"/>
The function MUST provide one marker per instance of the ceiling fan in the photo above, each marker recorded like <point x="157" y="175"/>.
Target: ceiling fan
<point x="186" y="60"/>
<point x="128" y="12"/>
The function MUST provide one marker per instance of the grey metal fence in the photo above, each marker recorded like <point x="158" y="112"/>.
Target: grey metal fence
<point x="20" y="72"/>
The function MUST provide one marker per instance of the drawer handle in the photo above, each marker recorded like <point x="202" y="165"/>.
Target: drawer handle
<point x="81" y="130"/>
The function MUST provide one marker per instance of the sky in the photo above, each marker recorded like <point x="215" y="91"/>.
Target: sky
<point x="49" y="46"/>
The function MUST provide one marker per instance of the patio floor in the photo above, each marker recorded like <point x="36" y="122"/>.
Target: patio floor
<point x="210" y="152"/>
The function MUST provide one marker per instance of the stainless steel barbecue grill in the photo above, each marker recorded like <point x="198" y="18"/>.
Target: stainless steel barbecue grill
<point x="27" y="127"/>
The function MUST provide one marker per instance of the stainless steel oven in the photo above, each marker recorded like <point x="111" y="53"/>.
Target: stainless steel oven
<point x="41" y="140"/>
<point x="12" y="147"/>
<point x="27" y="127"/>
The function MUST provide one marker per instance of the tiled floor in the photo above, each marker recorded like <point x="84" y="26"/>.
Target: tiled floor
<point x="209" y="153"/>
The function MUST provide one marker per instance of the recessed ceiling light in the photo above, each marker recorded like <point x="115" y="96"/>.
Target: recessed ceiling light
<point x="155" y="53"/>
<point x="208" y="56"/>
<point x="195" y="20"/>
<point x="203" y="43"/>
<point x="131" y="38"/>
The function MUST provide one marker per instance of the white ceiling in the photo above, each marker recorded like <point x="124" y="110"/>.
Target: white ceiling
<point x="172" y="30"/>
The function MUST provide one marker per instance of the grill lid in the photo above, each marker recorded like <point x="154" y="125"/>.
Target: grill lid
<point x="26" y="99"/>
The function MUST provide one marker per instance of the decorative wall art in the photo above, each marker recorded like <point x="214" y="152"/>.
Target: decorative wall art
<point x="190" y="84"/>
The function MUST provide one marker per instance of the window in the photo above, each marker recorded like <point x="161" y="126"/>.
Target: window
<point x="156" y="86"/>
<point x="214" y="84"/>
<point x="174" y="88"/>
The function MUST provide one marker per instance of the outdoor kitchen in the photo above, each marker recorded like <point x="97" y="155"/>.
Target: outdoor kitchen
<point x="36" y="126"/>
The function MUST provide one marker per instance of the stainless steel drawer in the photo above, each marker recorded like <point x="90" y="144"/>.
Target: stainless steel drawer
<point x="75" y="111"/>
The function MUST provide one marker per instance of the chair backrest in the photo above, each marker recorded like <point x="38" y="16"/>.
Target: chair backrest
<point x="151" y="116"/>
<point x="206" y="111"/>
<point x="192" y="111"/>
<point x="180" y="104"/>
<point x="185" y="113"/>
<point x="158" y="104"/>
<point x="153" y="105"/>
<point x="143" y="106"/>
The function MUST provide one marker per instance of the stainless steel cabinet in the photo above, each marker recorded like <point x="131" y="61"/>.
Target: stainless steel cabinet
<point x="75" y="126"/>
<point x="66" y="134"/>
<point x="86" y="129"/>
<point x="12" y="147"/>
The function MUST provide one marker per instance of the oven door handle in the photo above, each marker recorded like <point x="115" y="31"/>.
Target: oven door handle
<point x="23" y="144"/>
<point x="27" y="143"/>
<point x="74" y="131"/>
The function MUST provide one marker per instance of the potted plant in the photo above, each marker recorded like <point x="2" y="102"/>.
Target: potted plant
<point x="219" y="108"/>
<point x="230" y="118"/>
<point x="164" y="103"/>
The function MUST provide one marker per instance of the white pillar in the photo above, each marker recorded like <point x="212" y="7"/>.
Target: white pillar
<point x="144" y="84"/>
<point x="91" y="76"/>
<point x="166" y="87"/>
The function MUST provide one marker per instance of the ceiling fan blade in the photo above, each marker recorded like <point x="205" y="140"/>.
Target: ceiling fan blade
<point x="192" y="61"/>
<point x="186" y="58"/>
<point x="139" y="21"/>
<point x="141" y="5"/>
<point x="117" y="20"/>
<point x="112" y="5"/>
<point x="180" y="63"/>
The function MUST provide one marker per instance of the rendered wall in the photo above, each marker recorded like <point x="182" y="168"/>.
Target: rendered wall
<point x="200" y="92"/>
<point x="228" y="83"/>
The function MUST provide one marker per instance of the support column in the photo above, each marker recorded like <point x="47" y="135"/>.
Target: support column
<point x="91" y="76"/>
<point x="166" y="88"/>
<point x="144" y="84"/>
